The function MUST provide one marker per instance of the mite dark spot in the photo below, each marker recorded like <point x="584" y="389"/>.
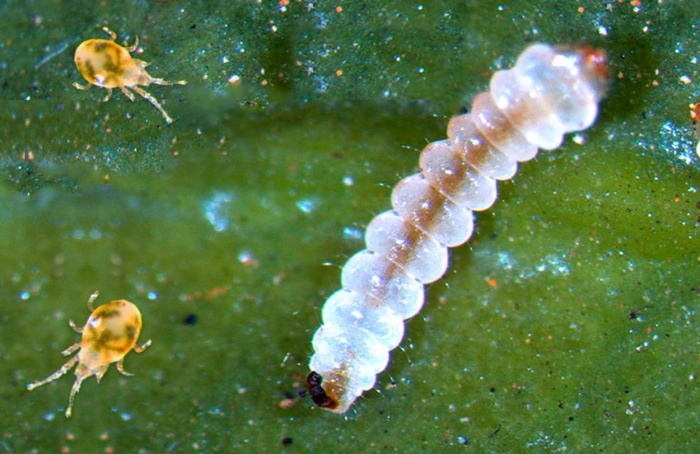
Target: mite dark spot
<point x="109" y="313"/>
<point x="108" y="341"/>
<point x="89" y="69"/>
<point x="113" y="63"/>
<point x="318" y="394"/>
<point x="287" y="441"/>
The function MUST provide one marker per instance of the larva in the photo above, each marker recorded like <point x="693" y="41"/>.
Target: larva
<point x="549" y="92"/>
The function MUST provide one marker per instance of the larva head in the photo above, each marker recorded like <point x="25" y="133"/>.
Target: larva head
<point x="332" y="394"/>
<point x="314" y="384"/>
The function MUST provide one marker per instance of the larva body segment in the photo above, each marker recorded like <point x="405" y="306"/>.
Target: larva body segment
<point x="551" y="91"/>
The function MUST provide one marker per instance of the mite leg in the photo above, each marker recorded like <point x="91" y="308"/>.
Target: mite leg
<point x="112" y="35"/>
<point x="153" y="101"/>
<point x="73" y="392"/>
<point x="109" y="95"/>
<point x="65" y="368"/>
<point x="76" y="328"/>
<point x="128" y="94"/>
<point x="71" y="349"/>
<point x="134" y="46"/>
<point x="82" y="87"/>
<point x="91" y="300"/>
<point x="120" y="368"/>
<point x="141" y="348"/>
<point x="157" y="81"/>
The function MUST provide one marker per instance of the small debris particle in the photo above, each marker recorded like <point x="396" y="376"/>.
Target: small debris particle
<point x="190" y="319"/>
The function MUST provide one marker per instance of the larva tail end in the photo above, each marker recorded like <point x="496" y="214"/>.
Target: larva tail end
<point x="318" y="394"/>
<point x="595" y="66"/>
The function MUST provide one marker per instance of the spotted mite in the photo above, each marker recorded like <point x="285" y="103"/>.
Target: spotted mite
<point x="106" y="64"/>
<point x="109" y="334"/>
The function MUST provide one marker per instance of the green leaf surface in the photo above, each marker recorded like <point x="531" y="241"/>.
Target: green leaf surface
<point x="567" y="323"/>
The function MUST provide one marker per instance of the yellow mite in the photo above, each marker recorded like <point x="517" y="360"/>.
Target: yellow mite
<point x="109" y="334"/>
<point x="107" y="64"/>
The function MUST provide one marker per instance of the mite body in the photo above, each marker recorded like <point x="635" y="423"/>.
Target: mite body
<point x="110" y="333"/>
<point x="106" y="64"/>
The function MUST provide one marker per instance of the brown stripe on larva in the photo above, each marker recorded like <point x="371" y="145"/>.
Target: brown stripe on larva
<point x="520" y="113"/>
<point x="493" y="124"/>
<point x="403" y="252"/>
<point x="426" y="216"/>
<point x="471" y="143"/>
<point x="380" y="294"/>
<point x="452" y="177"/>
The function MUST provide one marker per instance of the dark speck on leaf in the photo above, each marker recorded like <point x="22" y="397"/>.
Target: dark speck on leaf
<point x="190" y="319"/>
<point x="287" y="441"/>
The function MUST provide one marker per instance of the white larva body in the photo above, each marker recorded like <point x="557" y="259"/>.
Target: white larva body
<point x="549" y="92"/>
